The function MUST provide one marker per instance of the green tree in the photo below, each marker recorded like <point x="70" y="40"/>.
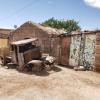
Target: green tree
<point x="68" y="25"/>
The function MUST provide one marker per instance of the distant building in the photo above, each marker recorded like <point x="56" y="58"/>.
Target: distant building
<point x="4" y="35"/>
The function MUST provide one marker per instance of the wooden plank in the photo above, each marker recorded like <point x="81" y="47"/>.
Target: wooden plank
<point x="65" y="50"/>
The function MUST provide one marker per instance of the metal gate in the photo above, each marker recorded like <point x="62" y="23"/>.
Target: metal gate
<point x="65" y="50"/>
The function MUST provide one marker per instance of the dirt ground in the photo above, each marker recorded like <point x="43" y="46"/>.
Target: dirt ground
<point x="59" y="84"/>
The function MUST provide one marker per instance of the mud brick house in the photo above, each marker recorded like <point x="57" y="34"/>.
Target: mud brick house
<point x="4" y="35"/>
<point x="50" y="39"/>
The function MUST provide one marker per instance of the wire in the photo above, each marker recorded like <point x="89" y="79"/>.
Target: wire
<point x="19" y="10"/>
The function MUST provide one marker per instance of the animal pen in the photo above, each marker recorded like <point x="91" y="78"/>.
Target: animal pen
<point x="81" y="49"/>
<point x="75" y="49"/>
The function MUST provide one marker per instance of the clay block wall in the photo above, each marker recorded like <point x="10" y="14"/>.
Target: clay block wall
<point x="30" y="31"/>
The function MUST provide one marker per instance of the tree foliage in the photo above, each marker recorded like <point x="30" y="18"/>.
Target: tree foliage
<point x="68" y="25"/>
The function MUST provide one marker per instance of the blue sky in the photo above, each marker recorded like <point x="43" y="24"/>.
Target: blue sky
<point x="16" y="12"/>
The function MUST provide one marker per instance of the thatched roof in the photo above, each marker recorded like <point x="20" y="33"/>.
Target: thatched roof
<point x="47" y="30"/>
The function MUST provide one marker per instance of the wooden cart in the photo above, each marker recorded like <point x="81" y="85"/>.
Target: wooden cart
<point x="24" y="51"/>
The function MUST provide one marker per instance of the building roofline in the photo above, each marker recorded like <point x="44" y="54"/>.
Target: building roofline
<point x="48" y="30"/>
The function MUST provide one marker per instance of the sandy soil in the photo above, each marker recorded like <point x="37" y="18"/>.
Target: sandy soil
<point x="59" y="84"/>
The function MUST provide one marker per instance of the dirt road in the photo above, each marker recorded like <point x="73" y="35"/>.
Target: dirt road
<point x="59" y="84"/>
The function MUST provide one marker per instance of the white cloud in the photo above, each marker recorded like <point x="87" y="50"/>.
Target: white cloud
<point x="93" y="3"/>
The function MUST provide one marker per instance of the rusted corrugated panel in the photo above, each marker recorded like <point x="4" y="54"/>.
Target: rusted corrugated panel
<point x="74" y="50"/>
<point x="97" y="52"/>
<point x="65" y="50"/>
<point x="25" y="41"/>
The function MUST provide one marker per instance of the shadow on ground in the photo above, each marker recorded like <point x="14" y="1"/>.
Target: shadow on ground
<point x="44" y="72"/>
<point x="56" y="69"/>
<point x="66" y="66"/>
